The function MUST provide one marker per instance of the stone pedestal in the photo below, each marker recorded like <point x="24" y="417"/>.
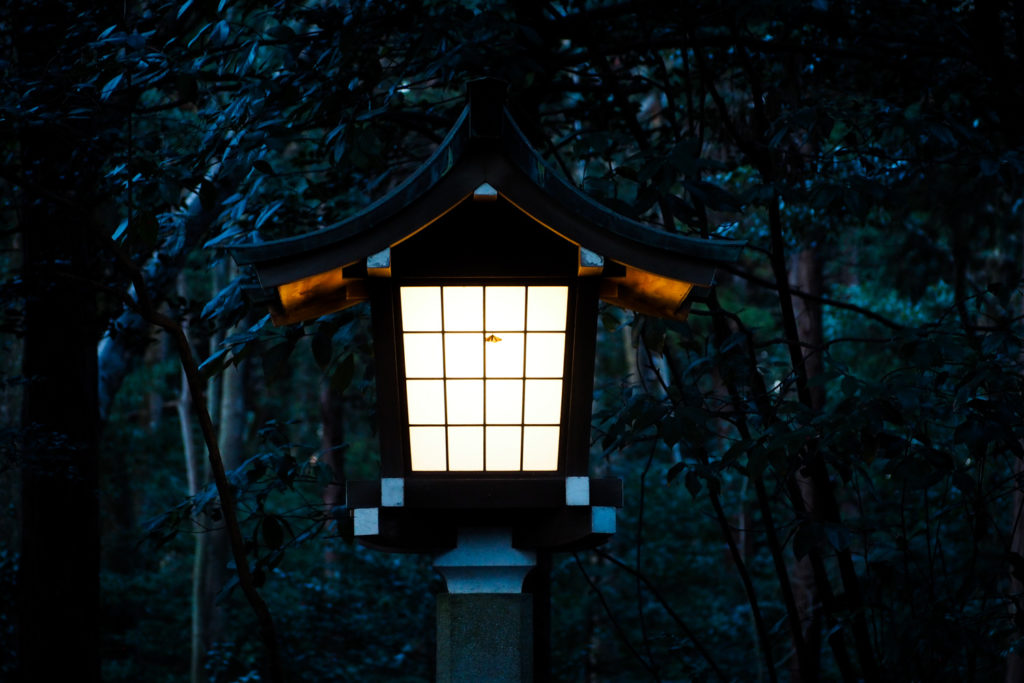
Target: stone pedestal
<point x="484" y="622"/>
<point x="484" y="637"/>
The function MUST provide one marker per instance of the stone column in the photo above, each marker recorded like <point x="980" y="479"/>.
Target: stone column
<point x="484" y="622"/>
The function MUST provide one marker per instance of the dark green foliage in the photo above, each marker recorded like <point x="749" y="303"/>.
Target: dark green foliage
<point x="868" y="345"/>
<point x="8" y="579"/>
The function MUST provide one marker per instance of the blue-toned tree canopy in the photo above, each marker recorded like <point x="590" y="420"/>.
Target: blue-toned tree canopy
<point x="821" y="463"/>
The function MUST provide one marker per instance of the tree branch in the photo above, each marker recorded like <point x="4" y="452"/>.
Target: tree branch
<point x="144" y="305"/>
<point x="687" y="631"/>
<point x="611" y="617"/>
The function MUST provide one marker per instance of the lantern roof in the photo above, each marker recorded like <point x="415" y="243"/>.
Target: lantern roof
<point x="484" y="157"/>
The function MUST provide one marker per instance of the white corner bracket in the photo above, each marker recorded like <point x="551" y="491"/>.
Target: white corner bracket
<point x="379" y="263"/>
<point x="602" y="520"/>
<point x="591" y="263"/>
<point x="392" y="492"/>
<point x="366" y="521"/>
<point x="577" y="491"/>
<point x="485" y="193"/>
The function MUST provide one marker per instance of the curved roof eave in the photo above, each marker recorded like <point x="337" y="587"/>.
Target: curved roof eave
<point x="462" y="162"/>
<point x="574" y="200"/>
<point x="412" y="188"/>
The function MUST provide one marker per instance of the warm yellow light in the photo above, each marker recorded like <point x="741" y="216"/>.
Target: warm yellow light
<point x="423" y="357"/>
<point x="485" y="365"/>
<point x="427" y="449"/>
<point x="463" y="309"/>
<point x="540" y="448"/>
<point x="421" y="309"/>
<point x="504" y="354"/>
<point x="545" y="354"/>
<point x="316" y="295"/>
<point x="506" y="308"/>
<point x="504" y="401"/>
<point x="465" y="402"/>
<point x="464" y="354"/>
<point x="546" y="307"/>
<point x="466" y="448"/>
<point x="543" y="404"/>
<point x="426" y="401"/>
<point x="504" y="445"/>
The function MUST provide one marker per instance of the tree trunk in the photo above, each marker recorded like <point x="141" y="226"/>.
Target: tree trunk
<point x="231" y="440"/>
<point x="58" y="579"/>
<point x="1015" y="659"/>
<point x="332" y="439"/>
<point x="194" y="477"/>
<point x="193" y="457"/>
<point x="807" y="276"/>
<point x="212" y="552"/>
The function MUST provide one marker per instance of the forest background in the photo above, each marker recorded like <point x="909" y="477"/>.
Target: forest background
<point x="822" y="464"/>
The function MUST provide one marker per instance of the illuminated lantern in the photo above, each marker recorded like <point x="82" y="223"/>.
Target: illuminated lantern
<point x="483" y="271"/>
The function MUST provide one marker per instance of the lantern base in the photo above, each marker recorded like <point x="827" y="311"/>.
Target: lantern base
<point x="423" y="515"/>
<point x="485" y="622"/>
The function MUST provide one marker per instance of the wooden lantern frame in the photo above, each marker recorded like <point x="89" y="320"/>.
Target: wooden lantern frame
<point x="485" y="208"/>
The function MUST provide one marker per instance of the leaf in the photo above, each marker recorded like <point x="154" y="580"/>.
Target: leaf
<point x="804" y="540"/>
<point x="989" y="167"/>
<point x="256" y="471"/>
<point x="281" y="32"/>
<point x="692" y="481"/>
<point x="275" y="360"/>
<point x="1001" y="292"/>
<point x="207" y="193"/>
<point x="838" y="536"/>
<point x="146" y="229"/>
<point x="627" y="172"/>
<point x="221" y="32"/>
<point x="758" y="459"/>
<point x="964" y="481"/>
<point x="343" y="374"/>
<point x="214" y="363"/>
<point x="259" y="577"/>
<point x="228" y="587"/>
<point x="372" y="114"/>
<point x="121" y="232"/>
<point x="227" y="301"/>
<point x="228" y="235"/>
<point x="199" y="33"/>
<point x="322" y="346"/>
<point x="109" y="87"/>
<point x="273" y="532"/>
<point x="670" y="429"/>
<point x="162" y="528"/>
<point x="263" y="166"/>
<point x="188" y="87"/>
<point x="1016" y="565"/>
<point x="674" y="471"/>
<point x="712" y="196"/>
<point x="610" y="321"/>
<point x="267" y="212"/>
<point x="972" y="432"/>
<point x="653" y="333"/>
